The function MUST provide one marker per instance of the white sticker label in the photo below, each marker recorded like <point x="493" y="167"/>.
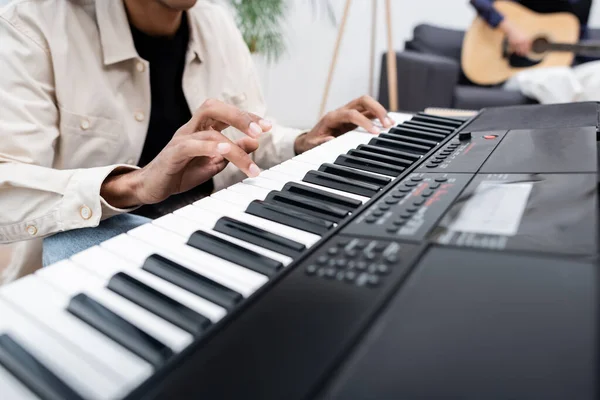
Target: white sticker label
<point x="495" y="209"/>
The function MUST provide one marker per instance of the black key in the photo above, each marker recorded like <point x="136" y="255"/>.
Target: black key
<point x="308" y="206"/>
<point x="191" y="281"/>
<point x="453" y="123"/>
<point x="350" y="173"/>
<point x="380" y="158"/>
<point x="408" y="139"/>
<point x="259" y="237"/>
<point x="404" y="156"/>
<point x="158" y="303"/>
<point x="343" y="184"/>
<point x="32" y="373"/>
<point x="236" y="254"/>
<point x="288" y="217"/>
<point x="429" y="127"/>
<point x="418" y="132"/>
<point x="399" y="145"/>
<point x="440" y="117"/>
<point x="322" y="196"/>
<point x="119" y="330"/>
<point x="369" y="165"/>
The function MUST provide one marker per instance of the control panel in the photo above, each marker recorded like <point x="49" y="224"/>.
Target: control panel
<point x="359" y="262"/>
<point x="465" y="153"/>
<point x="412" y="208"/>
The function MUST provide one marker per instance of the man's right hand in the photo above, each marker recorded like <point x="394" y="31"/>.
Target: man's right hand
<point x="519" y="41"/>
<point x="197" y="152"/>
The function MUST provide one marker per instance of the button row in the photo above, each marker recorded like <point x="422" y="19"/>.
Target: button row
<point x="440" y="157"/>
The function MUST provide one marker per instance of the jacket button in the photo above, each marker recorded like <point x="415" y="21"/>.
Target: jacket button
<point x="32" y="230"/>
<point x="85" y="212"/>
<point x="139" y="116"/>
<point x="85" y="124"/>
<point x="140" y="66"/>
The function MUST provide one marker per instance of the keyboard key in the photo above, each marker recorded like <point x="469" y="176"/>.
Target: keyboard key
<point x="57" y="355"/>
<point x="261" y="237"/>
<point x="402" y="156"/>
<point x="71" y="279"/>
<point x="399" y="145"/>
<point x="322" y="196"/>
<point x="189" y="280"/>
<point x="417" y="132"/>
<point x="47" y="305"/>
<point x="442" y="130"/>
<point x="39" y="379"/>
<point x="234" y="253"/>
<point x="354" y="174"/>
<point x="380" y="158"/>
<point x="308" y="206"/>
<point x="370" y="165"/>
<point x="119" y="329"/>
<point x="283" y="178"/>
<point x="434" y="119"/>
<point x="12" y="388"/>
<point x="396" y="136"/>
<point x="221" y="209"/>
<point x="159" y="304"/>
<point x="186" y="228"/>
<point x="166" y="244"/>
<point x="336" y="182"/>
<point x="288" y="217"/>
<point x="105" y="265"/>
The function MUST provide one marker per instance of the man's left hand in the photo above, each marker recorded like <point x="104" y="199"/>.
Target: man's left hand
<point x="357" y="113"/>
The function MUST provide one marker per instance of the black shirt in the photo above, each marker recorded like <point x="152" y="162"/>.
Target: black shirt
<point x="169" y="108"/>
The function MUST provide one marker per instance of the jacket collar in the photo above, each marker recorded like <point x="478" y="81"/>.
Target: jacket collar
<point x="115" y="35"/>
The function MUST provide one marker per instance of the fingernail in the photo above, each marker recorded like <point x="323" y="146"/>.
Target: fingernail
<point x="388" y="122"/>
<point x="375" y="130"/>
<point x="223" y="148"/>
<point x="255" y="130"/>
<point x="265" y="124"/>
<point x="254" y="171"/>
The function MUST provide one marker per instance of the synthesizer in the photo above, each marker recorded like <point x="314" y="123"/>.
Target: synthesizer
<point x="444" y="258"/>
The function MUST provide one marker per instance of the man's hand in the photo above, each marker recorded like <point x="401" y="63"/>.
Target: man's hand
<point x="197" y="152"/>
<point x="358" y="112"/>
<point x="519" y="41"/>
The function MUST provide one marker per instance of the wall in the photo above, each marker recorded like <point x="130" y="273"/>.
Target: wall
<point x="294" y="86"/>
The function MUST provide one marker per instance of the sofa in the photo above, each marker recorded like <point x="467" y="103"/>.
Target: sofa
<point x="429" y="75"/>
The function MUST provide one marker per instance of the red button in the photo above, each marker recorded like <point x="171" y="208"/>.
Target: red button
<point x="490" y="137"/>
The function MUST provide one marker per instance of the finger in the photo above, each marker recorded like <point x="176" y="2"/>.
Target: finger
<point x="212" y="143"/>
<point x="249" y="145"/>
<point x="370" y="104"/>
<point x="322" y="139"/>
<point x="356" y="118"/>
<point x="222" y="113"/>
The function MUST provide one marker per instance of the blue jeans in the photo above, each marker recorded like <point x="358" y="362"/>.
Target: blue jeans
<point x="65" y="244"/>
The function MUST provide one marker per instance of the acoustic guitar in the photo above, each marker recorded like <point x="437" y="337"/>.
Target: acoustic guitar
<point x="488" y="60"/>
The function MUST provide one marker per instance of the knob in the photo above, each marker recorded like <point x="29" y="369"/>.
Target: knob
<point x="464" y="136"/>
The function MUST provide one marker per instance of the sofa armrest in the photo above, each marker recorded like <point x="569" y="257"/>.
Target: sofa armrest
<point x="424" y="80"/>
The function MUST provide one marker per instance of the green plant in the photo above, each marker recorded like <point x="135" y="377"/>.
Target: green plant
<point x="260" y="22"/>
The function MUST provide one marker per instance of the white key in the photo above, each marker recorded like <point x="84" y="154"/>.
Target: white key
<point x="264" y="183"/>
<point x="207" y="218"/>
<point x="341" y="145"/>
<point x="306" y="238"/>
<point x="122" y="246"/>
<point x="105" y="265"/>
<point x="282" y="177"/>
<point x="47" y="305"/>
<point x="249" y="191"/>
<point x="72" y="280"/>
<point x="159" y="237"/>
<point x="56" y="355"/>
<point x="185" y="228"/>
<point x="231" y="197"/>
<point x="12" y="388"/>
<point x="293" y="168"/>
<point x="215" y="204"/>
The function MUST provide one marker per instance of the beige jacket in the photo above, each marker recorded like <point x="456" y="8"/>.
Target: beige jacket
<point x="75" y="102"/>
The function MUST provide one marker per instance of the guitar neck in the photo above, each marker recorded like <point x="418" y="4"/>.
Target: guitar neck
<point x="580" y="48"/>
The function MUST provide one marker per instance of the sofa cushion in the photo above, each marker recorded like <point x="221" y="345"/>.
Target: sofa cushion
<point x="475" y="98"/>
<point x="435" y="40"/>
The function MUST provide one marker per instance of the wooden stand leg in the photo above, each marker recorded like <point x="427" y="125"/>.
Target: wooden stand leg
<point x="391" y="60"/>
<point x="373" y="42"/>
<point x="335" y="56"/>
